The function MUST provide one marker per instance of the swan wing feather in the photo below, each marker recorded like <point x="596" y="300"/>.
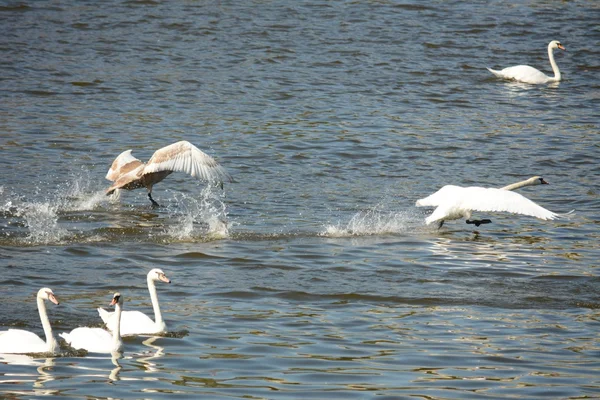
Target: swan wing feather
<point x="522" y="73"/>
<point x="19" y="341"/>
<point x="498" y="200"/>
<point x="440" y="197"/>
<point x="123" y="164"/>
<point x="185" y="157"/>
<point x="133" y="323"/>
<point x="95" y="340"/>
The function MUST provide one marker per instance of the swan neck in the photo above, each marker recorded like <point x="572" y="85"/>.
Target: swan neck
<point x="517" y="185"/>
<point x="50" y="341"/>
<point x="117" y="331"/>
<point x="557" y="75"/>
<point x="154" y="297"/>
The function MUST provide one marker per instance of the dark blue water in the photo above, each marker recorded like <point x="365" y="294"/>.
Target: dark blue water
<point x="313" y="275"/>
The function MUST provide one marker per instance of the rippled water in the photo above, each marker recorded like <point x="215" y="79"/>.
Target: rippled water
<point x="312" y="275"/>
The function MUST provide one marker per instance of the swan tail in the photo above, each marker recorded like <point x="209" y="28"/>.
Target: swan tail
<point x="497" y="73"/>
<point x="105" y="315"/>
<point x="65" y="336"/>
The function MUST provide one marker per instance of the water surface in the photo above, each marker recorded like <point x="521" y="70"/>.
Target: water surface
<point x="312" y="275"/>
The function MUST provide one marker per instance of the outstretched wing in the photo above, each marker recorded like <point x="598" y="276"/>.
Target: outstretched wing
<point x="499" y="200"/>
<point x="442" y="196"/>
<point x="185" y="157"/>
<point x="122" y="165"/>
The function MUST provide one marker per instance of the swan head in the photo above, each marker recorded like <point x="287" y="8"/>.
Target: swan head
<point x="555" y="44"/>
<point x="47" y="294"/>
<point x="537" y="180"/>
<point x="117" y="299"/>
<point x="157" y="274"/>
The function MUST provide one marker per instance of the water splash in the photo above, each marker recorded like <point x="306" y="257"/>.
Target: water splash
<point x="42" y="222"/>
<point x="374" y="221"/>
<point x="205" y="216"/>
<point x="35" y="218"/>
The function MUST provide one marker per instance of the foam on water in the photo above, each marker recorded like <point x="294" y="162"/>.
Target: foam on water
<point x="374" y="221"/>
<point x="193" y="217"/>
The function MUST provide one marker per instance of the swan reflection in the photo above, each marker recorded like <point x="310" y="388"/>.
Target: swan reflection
<point x="43" y="376"/>
<point x="149" y="365"/>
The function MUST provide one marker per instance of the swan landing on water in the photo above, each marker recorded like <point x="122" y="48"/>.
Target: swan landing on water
<point x="456" y="202"/>
<point x="527" y="74"/>
<point x="127" y="172"/>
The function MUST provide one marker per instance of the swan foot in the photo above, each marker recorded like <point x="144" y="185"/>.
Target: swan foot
<point x="154" y="203"/>
<point x="478" y="222"/>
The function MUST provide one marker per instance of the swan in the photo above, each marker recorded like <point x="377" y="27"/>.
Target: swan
<point x="527" y="74"/>
<point x="97" y="340"/>
<point x="455" y="202"/>
<point x="127" y="172"/>
<point x="136" y="322"/>
<point x="19" y="341"/>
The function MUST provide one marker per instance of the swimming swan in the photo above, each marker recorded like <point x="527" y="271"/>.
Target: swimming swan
<point x="136" y="322"/>
<point x="455" y="202"/>
<point x="527" y="74"/>
<point x="127" y="172"/>
<point x="19" y="341"/>
<point x="97" y="340"/>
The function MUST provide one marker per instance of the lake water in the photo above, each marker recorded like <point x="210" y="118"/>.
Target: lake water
<point x="313" y="275"/>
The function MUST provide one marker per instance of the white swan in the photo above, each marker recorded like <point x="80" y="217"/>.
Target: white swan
<point x="527" y="74"/>
<point x="136" y="322"/>
<point x="97" y="340"/>
<point x="127" y="172"/>
<point x="455" y="202"/>
<point x="19" y="341"/>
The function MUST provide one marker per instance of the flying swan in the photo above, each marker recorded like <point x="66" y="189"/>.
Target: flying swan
<point x="127" y="172"/>
<point x="136" y="322"/>
<point x="19" y="341"/>
<point x="97" y="340"/>
<point x="527" y="74"/>
<point x="455" y="202"/>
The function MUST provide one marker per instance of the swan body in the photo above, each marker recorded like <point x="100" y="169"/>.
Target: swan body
<point x="127" y="172"/>
<point x="456" y="202"/>
<point x="19" y="341"/>
<point x="97" y="340"/>
<point x="527" y="74"/>
<point x="136" y="322"/>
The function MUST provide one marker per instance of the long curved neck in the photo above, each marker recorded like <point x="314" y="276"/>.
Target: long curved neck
<point x="557" y="76"/>
<point x="117" y="331"/>
<point x="50" y="341"/>
<point x="517" y="185"/>
<point x="154" y="297"/>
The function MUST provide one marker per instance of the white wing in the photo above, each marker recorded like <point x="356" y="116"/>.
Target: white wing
<point x="522" y="73"/>
<point x="185" y="157"/>
<point x="132" y="323"/>
<point x="440" y="197"/>
<point x="21" y="341"/>
<point x="95" y="340"/>
<point x="498" y="200"/>
<point x="123" y="164"/>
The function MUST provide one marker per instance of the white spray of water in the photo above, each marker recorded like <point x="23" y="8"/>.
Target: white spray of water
<point x="204" y="216"/>
<point x="40" y="213"/>
<point x="374" y="221"/>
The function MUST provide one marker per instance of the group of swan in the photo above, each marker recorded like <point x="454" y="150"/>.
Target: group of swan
<point x="455" y="202"/>
<point x="127" y="172"/>
<point x="527" y="74"/>
<point x="94" y="340"/>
